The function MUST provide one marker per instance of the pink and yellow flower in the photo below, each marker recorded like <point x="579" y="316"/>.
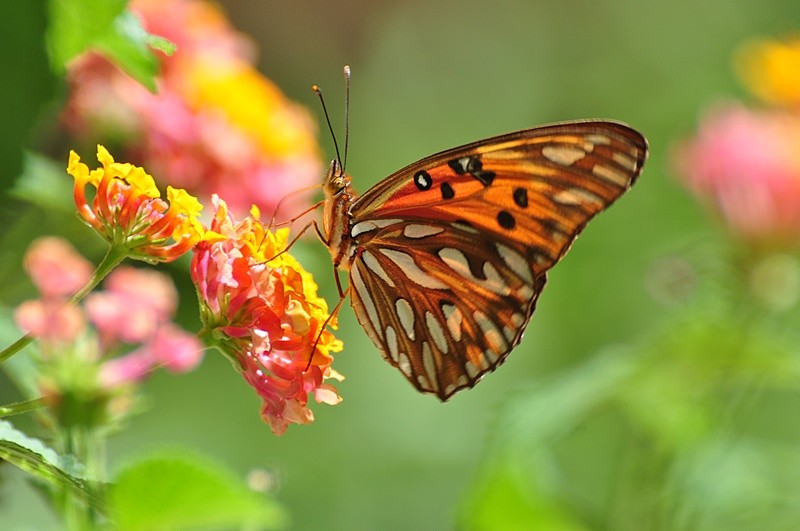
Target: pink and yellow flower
<point x="264" y="313"/>
<point x="128" y="212"/>
<point x="216" y="124"/>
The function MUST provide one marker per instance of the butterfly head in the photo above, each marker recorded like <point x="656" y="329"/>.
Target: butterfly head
<point x="336" y="180"/>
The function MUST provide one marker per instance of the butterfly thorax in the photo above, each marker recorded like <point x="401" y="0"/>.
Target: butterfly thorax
<point x="336" y="218"/>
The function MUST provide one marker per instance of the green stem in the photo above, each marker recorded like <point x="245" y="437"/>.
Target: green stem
<point x="15" y="347"/>
<point x="22" y="407"/>
<point x="113" y="257"/>
<point x="76" y="514"/>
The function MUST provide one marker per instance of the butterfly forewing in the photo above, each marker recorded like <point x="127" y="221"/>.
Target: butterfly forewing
<point x="451" y="253"/>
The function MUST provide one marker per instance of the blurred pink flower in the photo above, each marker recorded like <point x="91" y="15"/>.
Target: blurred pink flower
<point x="136" y="308"/>
<point x="58" y="271"/>
<point x="170" y="347"/>
<point x="52" y="321"/>
<point x="132" y="308"/>
<point x="216" y="124"/>
<point x="745" y="165"/>
<point x="56" y="268"/>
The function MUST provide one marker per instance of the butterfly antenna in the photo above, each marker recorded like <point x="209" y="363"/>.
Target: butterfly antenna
<point x="346" y="114"/>
<point x="318" y="90"/>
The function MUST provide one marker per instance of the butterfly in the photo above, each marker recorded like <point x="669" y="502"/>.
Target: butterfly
<point x="448" y="256"/>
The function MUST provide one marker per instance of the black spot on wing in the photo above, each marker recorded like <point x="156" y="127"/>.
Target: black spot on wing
<point x="423" y="180"/>
<point x="521" y="197"/>
<point x="447" y="191"/>
<point x="506" y="220"/>
<point x="473" y="166"/>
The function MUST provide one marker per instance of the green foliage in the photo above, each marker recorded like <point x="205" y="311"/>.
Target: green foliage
<point x="44" y="183"/>
<point x="179" y="491"/>
<point x="79" y="25"/>
<point x="27" y="82"/>
<point x="42" y="462"/>
<point x="656" y="436"/>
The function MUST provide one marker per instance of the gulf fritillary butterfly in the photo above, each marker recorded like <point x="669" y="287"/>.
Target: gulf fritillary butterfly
<point x="448" y="255"/>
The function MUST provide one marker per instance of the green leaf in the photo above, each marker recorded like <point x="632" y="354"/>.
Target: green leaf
<point x="45" y="182"/>
<point x="179" y="491"/>
<point x="76" y="25"/>
<point x="27" y="87"/>
<point x="33" y="456"/>
<point x="80" y="25"/>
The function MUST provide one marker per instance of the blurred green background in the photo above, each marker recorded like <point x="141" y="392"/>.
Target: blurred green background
<point x="427" y="76"/>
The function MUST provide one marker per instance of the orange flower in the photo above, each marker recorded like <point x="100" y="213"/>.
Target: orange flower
<point x="128" y="212"/>
<point x="265" y="316"/>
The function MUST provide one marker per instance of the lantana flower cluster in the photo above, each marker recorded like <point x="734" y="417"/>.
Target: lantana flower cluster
<point x="127" y="209"/>
<point x="216" y="124"/>
<point x="262" y="310"/>
<point x="258" y="306"/>
<point x="744" y="162"/>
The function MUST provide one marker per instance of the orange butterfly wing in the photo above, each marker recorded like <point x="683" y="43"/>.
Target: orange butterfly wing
<point x="451" y="252"/>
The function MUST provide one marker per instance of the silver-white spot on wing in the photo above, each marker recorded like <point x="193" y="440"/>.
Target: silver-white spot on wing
<point x="576" y="196"/>
<point x="509" y="332"/>
<point x="391" y="342"/>
<point x="457" y="261"/>
<point x="369" y="305"/>
<point x="598" y="139"/>
<point x="464" y="227"/>
<point x="454" y="319"/>
<point x="563" y="155"/>
<point x="494" y="281"/>
<point x="406" y="315"/>
<point x="436" y="332"/>
<point x="497" y="343"/>
<point x="516" y="262"/>
<point x="370" y="225"/>
<point x="404" y="364"/>
<point x="375" y="266"/>
<point x="412" y="270"/>
<point x="472" y="370"/>
<point x="624" y="160"/>
<point x="429" y="364"/>
<point x="611" y="175"/>
<point x="415" y="230"/>
<point x="517" y="319"/>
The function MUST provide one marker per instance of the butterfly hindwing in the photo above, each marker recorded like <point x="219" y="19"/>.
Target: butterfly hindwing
<point x="445" y="310"/>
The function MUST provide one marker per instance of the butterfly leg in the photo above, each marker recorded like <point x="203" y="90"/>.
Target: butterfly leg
<point x="297" y="237"/>
<point x="284" y="198"/>
<point x="342" y="293"/>
<point x="333" y="314"/>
